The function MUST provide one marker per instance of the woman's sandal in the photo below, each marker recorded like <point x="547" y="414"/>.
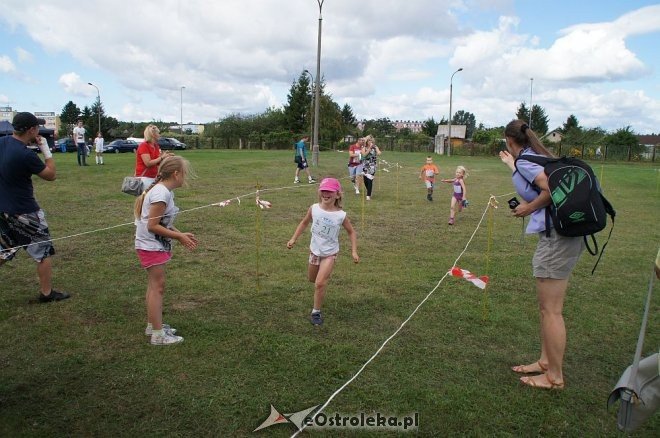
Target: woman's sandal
<point x="534" y="383"/>
<point x="536" y="367"/>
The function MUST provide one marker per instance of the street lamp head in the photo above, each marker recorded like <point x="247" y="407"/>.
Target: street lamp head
<point x="89" y="83"/>
<point x="460" y="69"/>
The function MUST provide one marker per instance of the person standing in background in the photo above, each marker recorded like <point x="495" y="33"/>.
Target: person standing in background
<point x="149" y="156"/>
<point x="81" y="146"/>
<point x="98" y="146"/>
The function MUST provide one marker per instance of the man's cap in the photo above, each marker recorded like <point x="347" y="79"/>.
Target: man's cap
<point x="24" y="121"/>
<point x="330" y="185"/>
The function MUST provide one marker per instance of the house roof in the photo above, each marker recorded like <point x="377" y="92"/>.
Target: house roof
<point x="652" y="139"/>
<point x="554" y="136"/>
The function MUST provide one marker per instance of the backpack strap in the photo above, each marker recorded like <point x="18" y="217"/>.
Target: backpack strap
<point x="610" y="211"/>
<point x="541" y="161"/>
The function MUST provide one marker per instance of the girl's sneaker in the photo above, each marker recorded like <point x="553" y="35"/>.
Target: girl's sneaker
<point x="165" y="339"/>
<point x="316" y="318"/>
<point x="166" y="328"/>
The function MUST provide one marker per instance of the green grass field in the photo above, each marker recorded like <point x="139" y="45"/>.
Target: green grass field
<point x="83" y="367"/>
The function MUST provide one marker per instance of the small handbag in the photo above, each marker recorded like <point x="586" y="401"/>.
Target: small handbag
<point x="132" y="185"/>
<point x="639" y="385"/>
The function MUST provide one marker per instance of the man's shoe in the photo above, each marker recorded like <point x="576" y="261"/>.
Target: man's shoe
<point x="53" y="296"/>
<point x="312" y="181"/>
<point x="296" y="181"/>
<point x="165" y="339"/>
<point x="166" y="328"/>
<point x="316" y="318"/>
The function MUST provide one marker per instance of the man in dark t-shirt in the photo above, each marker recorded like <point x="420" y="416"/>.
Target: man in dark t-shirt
<point x="22" y="221"/>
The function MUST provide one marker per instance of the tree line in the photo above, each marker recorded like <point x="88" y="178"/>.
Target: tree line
<point x="280" y="127"/>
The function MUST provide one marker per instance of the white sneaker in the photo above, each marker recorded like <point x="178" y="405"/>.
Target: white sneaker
<point x="357" y="191"/>
<point x="166" y="328"/>
<point x="296" y="181"/>
<point x="165" y="339"/>
<point x="368" y="198"/>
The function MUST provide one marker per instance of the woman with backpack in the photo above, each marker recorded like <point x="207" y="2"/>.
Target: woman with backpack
<point x="554" y="258"/>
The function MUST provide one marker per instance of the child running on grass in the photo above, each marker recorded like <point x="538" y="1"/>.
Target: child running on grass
<point x="459" y="197"/>
<point x="428" y="173"/>
<point x="154" y="220"/>
<point x="326" y="217"/>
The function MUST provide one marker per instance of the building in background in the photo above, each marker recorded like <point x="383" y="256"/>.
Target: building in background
<point x="457" y="137"/>
<point x="52" y="119"/>
<point x="414" y="126"/>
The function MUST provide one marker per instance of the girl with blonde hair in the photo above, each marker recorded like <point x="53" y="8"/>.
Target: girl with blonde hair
<point x="154" y="220"/>
<point x="459" y="196"/>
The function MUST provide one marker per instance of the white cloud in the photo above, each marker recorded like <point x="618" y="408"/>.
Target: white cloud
<point x="386" y="58"/>
<point x="6" y="65"/>
<point x="72" y="84"/>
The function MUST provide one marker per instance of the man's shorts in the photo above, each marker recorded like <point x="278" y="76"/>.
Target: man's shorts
<point x="316" y="260"/>
<point x="354" y="171"/>
<point x="29" y="231"/>
<point x="556" y="256"/>
<point x="300" y="163"/>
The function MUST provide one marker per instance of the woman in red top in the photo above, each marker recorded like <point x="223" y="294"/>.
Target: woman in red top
<point x="149" y="156"/>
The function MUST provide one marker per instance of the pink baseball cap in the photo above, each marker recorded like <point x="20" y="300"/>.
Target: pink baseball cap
<point x="330" y="185"/>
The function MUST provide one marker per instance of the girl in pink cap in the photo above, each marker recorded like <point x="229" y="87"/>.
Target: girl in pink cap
<point x="326" y="217"/>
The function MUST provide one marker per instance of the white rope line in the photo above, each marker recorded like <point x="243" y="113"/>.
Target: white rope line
<point x="238" y="198"/>
<point x="349" y="381"/>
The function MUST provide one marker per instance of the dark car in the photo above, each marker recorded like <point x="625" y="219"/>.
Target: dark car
<point x="118" y="146"/>
<point x="65" y="145"/>
<point x="168" y="143"/>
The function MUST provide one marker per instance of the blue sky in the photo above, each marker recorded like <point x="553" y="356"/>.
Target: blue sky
<point x="385" y="58"/>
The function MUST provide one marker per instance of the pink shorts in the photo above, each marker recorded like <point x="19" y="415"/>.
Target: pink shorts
<point x="316" y="260"/>
<point x="153" y="258"/>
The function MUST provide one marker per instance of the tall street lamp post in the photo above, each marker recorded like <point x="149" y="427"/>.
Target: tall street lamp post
<point x="311" y="106"/>
<point x="317" y="93"/>
<point x="531" y="87"/>
<point x="181" y="124"/>
<point x="450" y="96"/>
<point x="98" y="108"/>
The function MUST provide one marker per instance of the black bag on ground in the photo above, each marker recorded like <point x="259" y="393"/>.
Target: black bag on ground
<point x="578" y="207"/>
